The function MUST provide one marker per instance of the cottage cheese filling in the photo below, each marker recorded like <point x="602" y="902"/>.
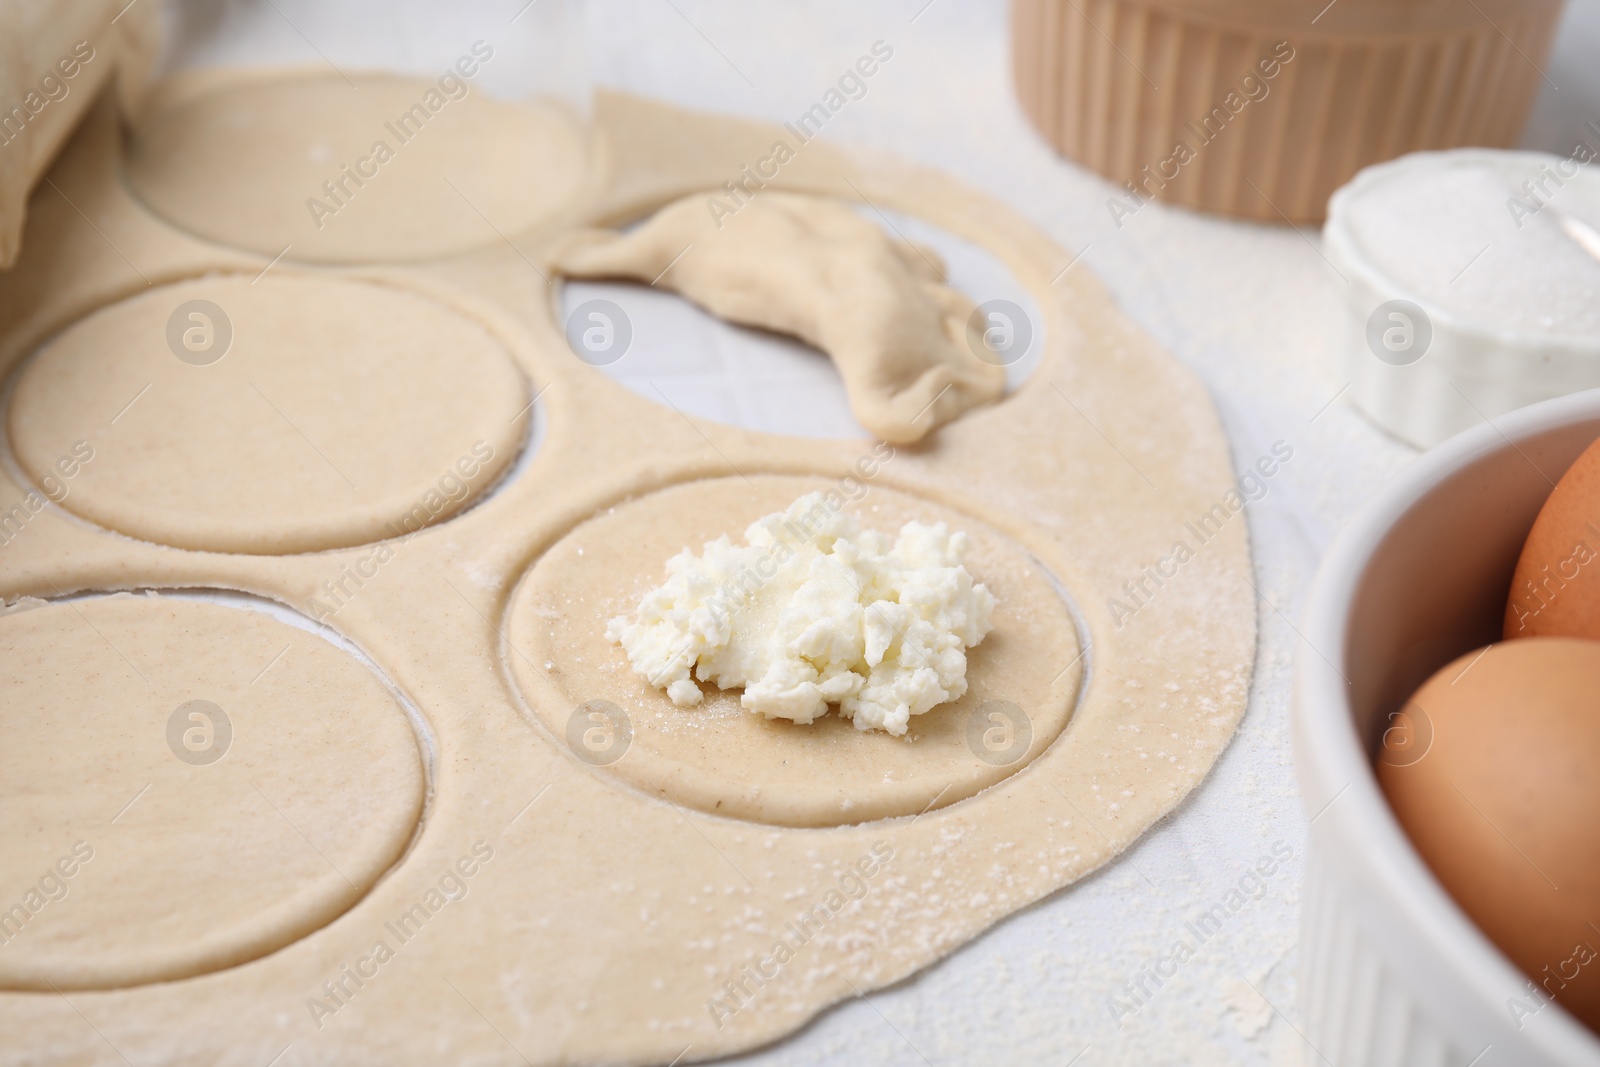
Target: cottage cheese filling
<point x="813" y="611"/>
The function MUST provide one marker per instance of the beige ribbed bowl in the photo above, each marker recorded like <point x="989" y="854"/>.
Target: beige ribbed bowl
<point x="1118" y="85"/>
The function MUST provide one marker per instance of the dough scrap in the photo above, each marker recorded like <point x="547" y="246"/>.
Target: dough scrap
<point x="900" y="337"/>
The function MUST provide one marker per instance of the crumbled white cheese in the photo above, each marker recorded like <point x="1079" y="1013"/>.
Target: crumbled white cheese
<point x="812" y="611"/>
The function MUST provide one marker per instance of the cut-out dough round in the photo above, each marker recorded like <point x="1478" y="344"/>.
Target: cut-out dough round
<point x="244" y="164"/>
<point x="904" y="342"/>
<point x="178" y="794"/>
<point x="338" y="412"/>
<point x="720" y="758"/>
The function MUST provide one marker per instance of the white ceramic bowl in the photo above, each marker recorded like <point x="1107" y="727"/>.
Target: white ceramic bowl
<point x="1470" y="370"/>
<point x="1393" y="973"/>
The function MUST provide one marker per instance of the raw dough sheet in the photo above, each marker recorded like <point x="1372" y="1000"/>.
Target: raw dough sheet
<point x="605" y="919"/>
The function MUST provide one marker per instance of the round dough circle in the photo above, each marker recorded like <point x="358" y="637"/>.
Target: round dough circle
<point x="339" y="412"/>
<point x="722" y="759"/>
<point x="240" y="164"/>
<point x="191" y="861"/>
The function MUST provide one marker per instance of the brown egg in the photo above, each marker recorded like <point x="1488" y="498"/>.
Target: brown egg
<point x="1556" y="589"/>
<point x="1493" y="769"/>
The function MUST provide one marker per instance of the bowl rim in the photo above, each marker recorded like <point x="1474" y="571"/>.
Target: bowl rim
<point x="1339" y="788"/>
<point x="1339" y="238"/>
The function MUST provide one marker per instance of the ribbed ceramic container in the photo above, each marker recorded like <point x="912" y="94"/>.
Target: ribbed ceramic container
<point x="1393" y="973"/>
<point x="1276" y="103"/>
